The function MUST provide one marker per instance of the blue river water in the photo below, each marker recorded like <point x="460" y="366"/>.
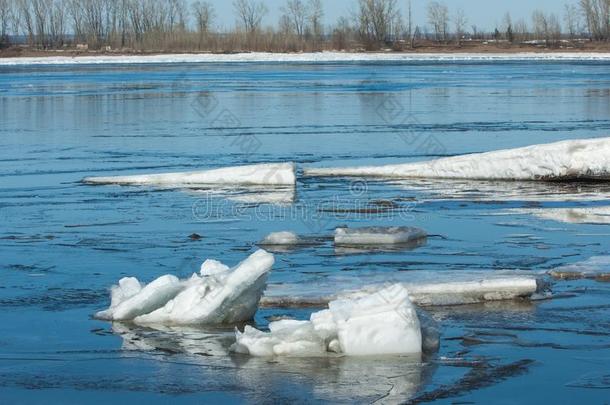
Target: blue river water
<point x="64" y="243"/>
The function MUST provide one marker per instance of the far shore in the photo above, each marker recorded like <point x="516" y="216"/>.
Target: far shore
<point x="466" y="48"/>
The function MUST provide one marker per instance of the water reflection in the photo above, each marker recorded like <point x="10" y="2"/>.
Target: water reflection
<point x="530" y="191"/>
<point x="390" y="378"/>
<point x="388" y="248"/>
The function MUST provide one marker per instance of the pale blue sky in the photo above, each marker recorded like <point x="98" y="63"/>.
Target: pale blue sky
<point x="485" y="14"/>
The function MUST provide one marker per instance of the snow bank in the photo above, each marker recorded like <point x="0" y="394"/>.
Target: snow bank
<point x="318" y="57"/>
<point x="271" y="174"/>
<point x="280" y="238"/>
<point x="592" y="215"/>
<point x="377" y="235"/>
<point x="597" y="267"/>
<point x="567" y="160"/>
<point x="381" y="323"/>
<point x="219" y="295"/>
<point x="432" y="288"/>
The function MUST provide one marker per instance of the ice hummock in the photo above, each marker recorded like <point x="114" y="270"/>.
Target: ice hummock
<point x="381" y="323"/>
<point x="378" y="235"/>
<point x="269" y="174"/>
<point x="586" y="159"/>
<point x="218" y="295"/>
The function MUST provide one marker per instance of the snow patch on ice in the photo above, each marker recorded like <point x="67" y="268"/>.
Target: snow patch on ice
<point x="270" y="174"/>
<point x="590" y="215"/>
<point x="218" y="296"/>
<point x="213" y="267"/>
<point x="377" y="235"/>
<point x="567" y="160"/>
<point x="381" y="323"/>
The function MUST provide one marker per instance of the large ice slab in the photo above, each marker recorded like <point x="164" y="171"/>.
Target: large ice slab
<point x="425" y="288"/>
<point x="579" y="215"/>
<point x="587" y="159"/>
<point x="377" y="235"/>
<point x="270" y="174"/>
<point x="317" y="57"/>
<point x="281" y="238"/>
<point x="596" y="267"/>
<point x="381" y="323"/>
<point x="219" y="295"/>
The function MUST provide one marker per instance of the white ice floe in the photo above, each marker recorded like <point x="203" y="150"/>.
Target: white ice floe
<point x="381" y="323"/>
<point x="597" y="267"/>
<point x="377" y="235"/>
<point x="425" y="288"/>
<point x="127" y="302"/>
<point x="283" y="238"/>
<point x="318" y="57"/>
<point x="567" y="160"/>
<point x="590" y="215"/>
<point x="248" y="194"/>
<point x="220" y="295"/>
<point x="270" y="174"/>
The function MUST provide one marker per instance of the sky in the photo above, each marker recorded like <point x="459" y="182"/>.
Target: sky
<point x="485" y="14"/>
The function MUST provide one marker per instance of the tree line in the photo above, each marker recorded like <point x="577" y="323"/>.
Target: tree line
<point x="178" y="25"/>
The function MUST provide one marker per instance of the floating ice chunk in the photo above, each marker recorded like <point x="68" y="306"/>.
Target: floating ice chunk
<point x="147" y="299"/>
<point x="377" y="235"/>
<point x="249" y="194"/>
<point x="591" y="215"/>
<point x="270" y="174"/>
<point x="381" y="323"/>
<point x="472" y="292"/>
<point x="597" y="267"/>
<point x="567" y="160"/>
<point x="426" y="288"/>
<point x="384" y="322"/>
<point x="213" y="267"/>
<point x="227" y="298"/>
<point x="280" y="238"/>
<point x="220" y="295"/>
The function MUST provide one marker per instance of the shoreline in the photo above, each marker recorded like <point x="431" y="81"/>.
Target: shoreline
<point x="70" y="58"/>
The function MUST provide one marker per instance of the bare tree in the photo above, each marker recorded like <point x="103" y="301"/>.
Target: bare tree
<point x="57" y="23"/>
<point x="204" y="14"/>
<point x="597" y="16"/>
<point x="438" y="17"/>
<point x="250" y="13"/>
<point x="377" y="21"/>
<point x="547" y="27"/>
<point x="4" y="17"/>
<point x="521" y="30"/>
<point x="316" y="13"/>
<point x="571" y="20"/>
<point x="296" y="13"/>
<point x="410" y="35"/>
<point x="460" y="22"/>
<point x="507" y="27"/>
<point x="341" y="34"/>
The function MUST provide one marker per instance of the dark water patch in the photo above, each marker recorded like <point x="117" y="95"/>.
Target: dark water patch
<point x="592" y="381"/>
<point x="479" y="377"/>
<point x="57" y="299"/>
